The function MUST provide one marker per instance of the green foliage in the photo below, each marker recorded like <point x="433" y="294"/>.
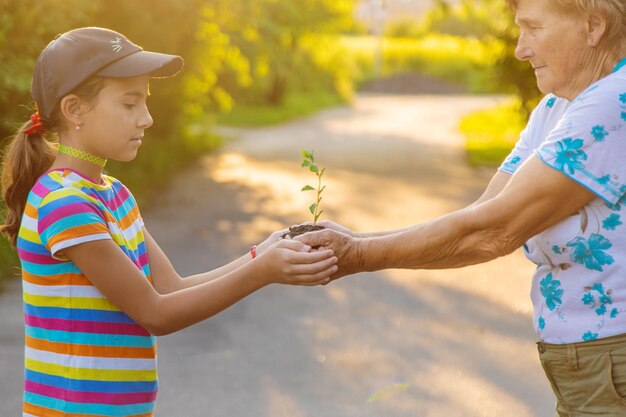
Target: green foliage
<point x="309" y="162"/>
<point x="237" y="52"/>
<point x="492" y="23"/>
<point x="295" y="105"/>
<point x="281" y="47"/>
<point x="471" y="43"/>
<point x="26" y="27"/>
<point x="405" y="28"/>
<point x="491" y="134"/>
<point x="8" y="257"/>
<point x="464" y="61"/>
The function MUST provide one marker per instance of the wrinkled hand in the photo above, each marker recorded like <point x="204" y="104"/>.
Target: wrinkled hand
<point x="291" y="262"/>
<point x="346" y="248"/>
<point x="330" y="225"/>
<point x="336" y="227"/>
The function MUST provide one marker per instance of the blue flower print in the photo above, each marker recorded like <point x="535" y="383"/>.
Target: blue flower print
<point x="591" y="252"/>
<point x="541" y="323"/>
<point x="599" y="304"/>
<point x="556" y="249"/>
<point x="599" y="133"/>
<point x="588" y="298"/>
<point x="622" y="98"/>
<point x="550" y="289"/>
<point x="604" y="180"/>
<point x="568" y="154"/>
<point x="590" y="336"/>
<point x="510" y="164"/>
<point x="614" y="313"/>
<point x="624" y="115"/>
<point x="611" y="222"/>
<point x="550" y="102"/>
<point x="618" y="206"/>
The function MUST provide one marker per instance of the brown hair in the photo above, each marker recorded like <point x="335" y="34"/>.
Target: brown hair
<point x="614" y="11"/>
<point x="27" y="157"/>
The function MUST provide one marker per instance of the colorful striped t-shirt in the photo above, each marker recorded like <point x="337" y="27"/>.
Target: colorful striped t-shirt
<point x="83" y="356"/>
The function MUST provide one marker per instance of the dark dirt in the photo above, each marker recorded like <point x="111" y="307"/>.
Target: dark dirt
<point x="301" y="229"/>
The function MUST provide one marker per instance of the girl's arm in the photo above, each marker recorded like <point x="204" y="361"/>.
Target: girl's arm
<point x="114" y="274"/>
<point x="165" y="279"/>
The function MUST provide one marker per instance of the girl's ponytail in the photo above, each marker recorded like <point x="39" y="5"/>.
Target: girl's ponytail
<point x="30" y="154"/>
<point x="25" y="159"/>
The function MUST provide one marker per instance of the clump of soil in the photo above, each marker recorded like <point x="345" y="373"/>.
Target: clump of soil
<point x="301" y="229"/>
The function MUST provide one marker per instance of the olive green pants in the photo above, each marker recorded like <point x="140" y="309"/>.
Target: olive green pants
<point x="589" y="378"/>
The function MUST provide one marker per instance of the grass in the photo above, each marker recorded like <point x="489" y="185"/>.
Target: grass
<point x="468" y="62"/>
<point x="8" y="259"/>
<point x="491" y="134"/>
<point x="295" y="105"/>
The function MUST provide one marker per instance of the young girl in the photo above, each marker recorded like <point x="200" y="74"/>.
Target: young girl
<point x="97" y="287"/>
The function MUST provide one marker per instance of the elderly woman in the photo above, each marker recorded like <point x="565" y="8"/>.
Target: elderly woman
<point x="561" y="194"/>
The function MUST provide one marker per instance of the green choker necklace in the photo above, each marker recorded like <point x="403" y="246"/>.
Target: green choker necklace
<point x="85" y="156"/>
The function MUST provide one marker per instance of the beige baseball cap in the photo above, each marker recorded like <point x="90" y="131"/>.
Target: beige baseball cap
<point x="74" y="56"/>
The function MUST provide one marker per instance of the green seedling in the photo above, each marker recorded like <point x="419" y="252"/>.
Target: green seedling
<point x="309" y="162"/>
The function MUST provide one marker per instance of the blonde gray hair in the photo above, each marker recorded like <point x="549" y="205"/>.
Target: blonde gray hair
<point x="613" y="11"/>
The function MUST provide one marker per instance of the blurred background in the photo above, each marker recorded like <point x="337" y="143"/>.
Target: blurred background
<point x="253" y="63"/>
<point x="411" y="104"/>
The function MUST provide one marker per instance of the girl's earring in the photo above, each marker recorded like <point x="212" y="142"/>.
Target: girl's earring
<point x="77" y="127"/>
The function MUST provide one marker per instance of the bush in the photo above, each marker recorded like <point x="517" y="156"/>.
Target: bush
<point x="464" y="61"/>
<point x="491" y="22"/>
<point x="278" y="46"/>
<point x="491" y="134"/>
<point x="8" y="258"/>
<point x="295" y="105"/>
<point x="281" y="48"/>
<point x="405" y="28"/>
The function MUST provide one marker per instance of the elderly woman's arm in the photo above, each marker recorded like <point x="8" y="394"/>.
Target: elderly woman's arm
<point x="497" y="184"/>
<point x="535" y="198"/>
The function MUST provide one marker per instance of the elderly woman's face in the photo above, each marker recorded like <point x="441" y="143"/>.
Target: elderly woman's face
<point x="555" y="45"/>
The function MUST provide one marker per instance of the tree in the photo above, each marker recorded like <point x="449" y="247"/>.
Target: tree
<point x="492" y="22"/>
<point x="267" y="47"/>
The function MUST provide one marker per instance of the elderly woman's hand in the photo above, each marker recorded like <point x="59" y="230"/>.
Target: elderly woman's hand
<point x="327" y="224"/>
<point x="345" y="247"/>
<point x="336" y="227"/>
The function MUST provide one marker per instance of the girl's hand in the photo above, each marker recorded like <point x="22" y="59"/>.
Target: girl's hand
<point x="271" y="239"/>
<point x="291" y="262"/>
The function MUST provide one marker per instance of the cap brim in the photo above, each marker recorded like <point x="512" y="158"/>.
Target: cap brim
<point x="140" y="63"/>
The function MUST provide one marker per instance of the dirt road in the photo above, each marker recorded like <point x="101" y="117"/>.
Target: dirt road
<point x="389" y="344"/>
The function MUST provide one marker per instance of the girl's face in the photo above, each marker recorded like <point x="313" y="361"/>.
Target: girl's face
<point x="114" y="126"/>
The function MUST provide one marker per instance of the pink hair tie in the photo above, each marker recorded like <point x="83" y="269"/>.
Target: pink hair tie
<point x="37" y="126"/>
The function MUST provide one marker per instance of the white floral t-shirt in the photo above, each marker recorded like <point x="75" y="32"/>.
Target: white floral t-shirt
<point x="579" y="287"/>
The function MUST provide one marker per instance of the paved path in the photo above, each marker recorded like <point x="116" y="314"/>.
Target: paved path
<point x="389" y="344"/>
